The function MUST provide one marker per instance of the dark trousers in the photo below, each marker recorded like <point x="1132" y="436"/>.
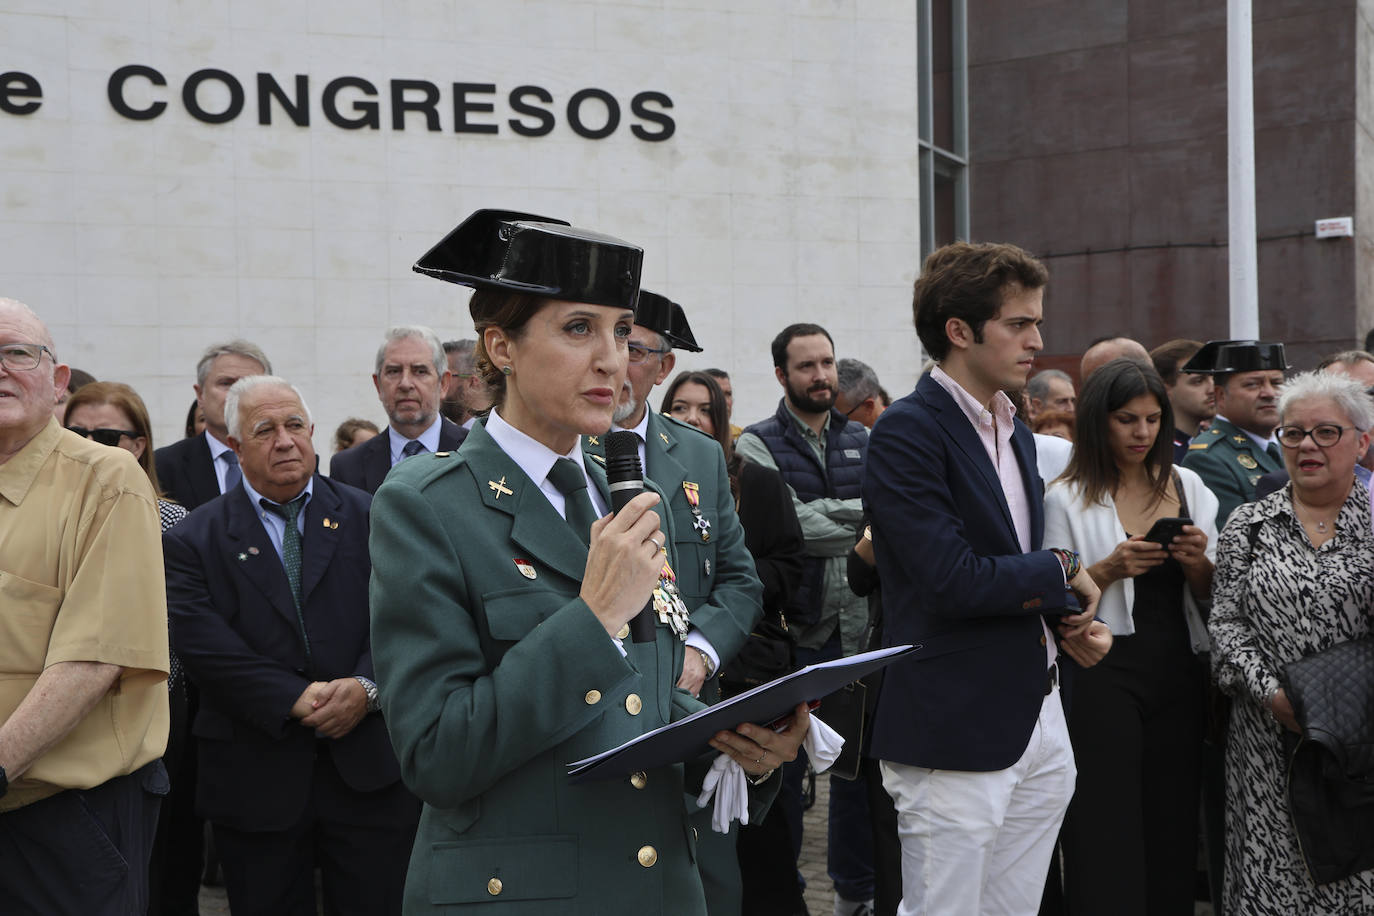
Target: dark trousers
<point x="1130" y="836"/>
<point x="82" y="852"/>
<point x="850" y="843"/>
<point x="887" y="845"/>
<point x="178" y="852"/>
<point x="360" y="841"/>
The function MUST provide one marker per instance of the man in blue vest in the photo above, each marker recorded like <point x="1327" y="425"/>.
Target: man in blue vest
<point x="820" y="454"/>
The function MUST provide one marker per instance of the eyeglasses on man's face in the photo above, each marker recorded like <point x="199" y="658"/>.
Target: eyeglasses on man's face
<point x="104" y="435"/>
<point x="1324" y="434"/>
<point x="639" y="353"/>
<point x="23" y="356"/>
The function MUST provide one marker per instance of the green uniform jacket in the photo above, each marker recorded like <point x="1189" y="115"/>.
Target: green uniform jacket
<point x="494" y="675"/>
<point x="720" y="585"/>
<point x="1230" y="464"/>
<point x="715" y="574"/>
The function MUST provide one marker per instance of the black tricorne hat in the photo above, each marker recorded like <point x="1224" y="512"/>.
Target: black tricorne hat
<point x="537" y="255"/>
<point x="1223" y="357"/>
<point x="661" y="314"/>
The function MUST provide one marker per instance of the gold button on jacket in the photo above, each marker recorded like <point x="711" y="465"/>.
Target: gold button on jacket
<point x="648" y="856"/>
<point x="494" y="886"/>
<point x="639" y="780"/>
<point x="593" y="697"/>
<point x="633" y="704"/>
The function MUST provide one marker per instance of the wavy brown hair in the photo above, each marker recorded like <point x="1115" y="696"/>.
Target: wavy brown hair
<point x="119" y="395"/>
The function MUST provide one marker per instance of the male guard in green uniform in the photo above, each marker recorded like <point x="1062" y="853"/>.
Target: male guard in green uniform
<point x="1230" y="457"/>
<point x="715" y="571"/>
<point x="1239" y="447"/>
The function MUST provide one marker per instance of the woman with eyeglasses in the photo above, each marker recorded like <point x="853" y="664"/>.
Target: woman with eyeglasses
<point x="1136" y="720"/>
<point x="1293" y="578"/>
<point x="113" y="414"/>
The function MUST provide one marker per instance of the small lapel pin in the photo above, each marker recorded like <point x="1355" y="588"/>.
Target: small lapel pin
<point x="500" y="487"/>
<point x="526" y="567"/>
<point x="252" y="551"/>
<point x="664" y="438"/>
<point x="242" y="557"/>
<point x="593" y="440"/>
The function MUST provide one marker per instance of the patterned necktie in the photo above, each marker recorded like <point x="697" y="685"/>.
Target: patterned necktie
<point x="232" y="474"/>
<point x="567" y="476"/>
<point x="411" y="449"/>
<point x="291" y="558"/>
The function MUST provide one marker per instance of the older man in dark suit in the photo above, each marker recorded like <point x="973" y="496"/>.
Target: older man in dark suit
<point x="267" y="590"/>
<point x="411" y="378"/>
<point x="971" y="733"/>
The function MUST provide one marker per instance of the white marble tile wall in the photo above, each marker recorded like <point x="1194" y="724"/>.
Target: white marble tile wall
<point x="787" y="193"/>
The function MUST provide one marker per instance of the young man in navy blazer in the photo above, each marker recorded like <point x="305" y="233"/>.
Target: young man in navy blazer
<point x="971" y="732"/>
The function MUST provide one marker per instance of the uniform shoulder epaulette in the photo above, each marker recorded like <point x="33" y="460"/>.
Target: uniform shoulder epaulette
<point x="676" y="422"/>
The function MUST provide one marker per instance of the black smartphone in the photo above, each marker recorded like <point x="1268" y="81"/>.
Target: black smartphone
<point x="1165" y="530"/>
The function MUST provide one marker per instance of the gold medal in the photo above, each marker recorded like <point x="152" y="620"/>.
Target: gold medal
<point x="1247" y="462"/>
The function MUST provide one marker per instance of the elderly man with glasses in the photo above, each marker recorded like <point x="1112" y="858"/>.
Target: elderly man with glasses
<point x="715" y="572"/>
<point x="83" y="706"/>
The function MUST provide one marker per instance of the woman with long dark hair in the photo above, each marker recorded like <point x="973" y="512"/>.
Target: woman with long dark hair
<point x="1136" y="720"/>
<point x="774" y="537"/>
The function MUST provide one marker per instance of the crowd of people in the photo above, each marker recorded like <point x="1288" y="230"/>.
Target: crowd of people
<point x="368" y="683"/>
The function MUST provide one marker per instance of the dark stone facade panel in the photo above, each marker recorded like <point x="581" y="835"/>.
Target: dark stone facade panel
<point x="1158" y="18"/>
<point x="1303" y="173"/>
<point x="1179" y="292"/>
<point x="1002" y="30"/>
<point x="1304" y="69"/>
<point x="1307" y="295"/>
<point x="1067" y="102"/>
<point x="1178" y="192"/>
<point x="1178" y="87"/>
<point x="1054" y="204"/>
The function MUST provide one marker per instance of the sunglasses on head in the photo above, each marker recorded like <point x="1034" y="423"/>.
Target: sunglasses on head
<point x="104" y="436"/>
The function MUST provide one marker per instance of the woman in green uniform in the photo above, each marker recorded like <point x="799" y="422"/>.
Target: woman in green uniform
<point x="501" y="611"/>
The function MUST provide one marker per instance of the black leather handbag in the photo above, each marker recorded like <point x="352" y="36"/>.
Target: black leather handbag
<point x="1331" y="765"/>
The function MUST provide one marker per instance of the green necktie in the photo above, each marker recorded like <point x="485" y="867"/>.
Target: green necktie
<point x="291" y="556"/>
<point x="1273" y="452"/>
<point x="568" y="477"/>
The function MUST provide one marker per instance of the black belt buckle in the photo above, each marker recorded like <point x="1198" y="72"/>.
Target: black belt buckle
<point x="1051" y="678"/>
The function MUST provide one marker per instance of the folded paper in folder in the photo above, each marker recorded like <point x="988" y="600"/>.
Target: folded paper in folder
<point x="690" y="737"/>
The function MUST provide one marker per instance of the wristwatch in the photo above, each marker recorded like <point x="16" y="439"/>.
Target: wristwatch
<point x="706" y="662"/>
<point x="373" y="702"/>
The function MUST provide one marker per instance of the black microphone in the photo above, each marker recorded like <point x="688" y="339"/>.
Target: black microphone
<point x="624" y="476"/>
<point x="625" y="480"/>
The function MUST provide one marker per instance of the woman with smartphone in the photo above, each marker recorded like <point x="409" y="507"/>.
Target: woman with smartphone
<point x="1137" y="718"/>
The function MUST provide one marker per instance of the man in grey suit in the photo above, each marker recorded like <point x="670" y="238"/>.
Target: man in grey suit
<point x="411" y="377"/>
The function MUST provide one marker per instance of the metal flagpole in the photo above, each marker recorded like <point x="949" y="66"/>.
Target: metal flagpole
<point x="1240" y="139"/>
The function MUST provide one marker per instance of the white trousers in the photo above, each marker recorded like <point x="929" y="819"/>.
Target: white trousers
<point x="979" y="844"/>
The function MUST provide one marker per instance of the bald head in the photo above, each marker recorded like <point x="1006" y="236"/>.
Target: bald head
<point x="21" y="313"/>
<point x="1104" y="351"/>
<point x="31" y="378"/>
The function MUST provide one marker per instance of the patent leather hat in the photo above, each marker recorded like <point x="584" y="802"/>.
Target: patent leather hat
<point x="538" y="256"/>
<point x="1223" y="357"/>
<point x="661" y="314"/>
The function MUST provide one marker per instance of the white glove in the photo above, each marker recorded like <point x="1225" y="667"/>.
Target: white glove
<point x="727" y="781"/>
